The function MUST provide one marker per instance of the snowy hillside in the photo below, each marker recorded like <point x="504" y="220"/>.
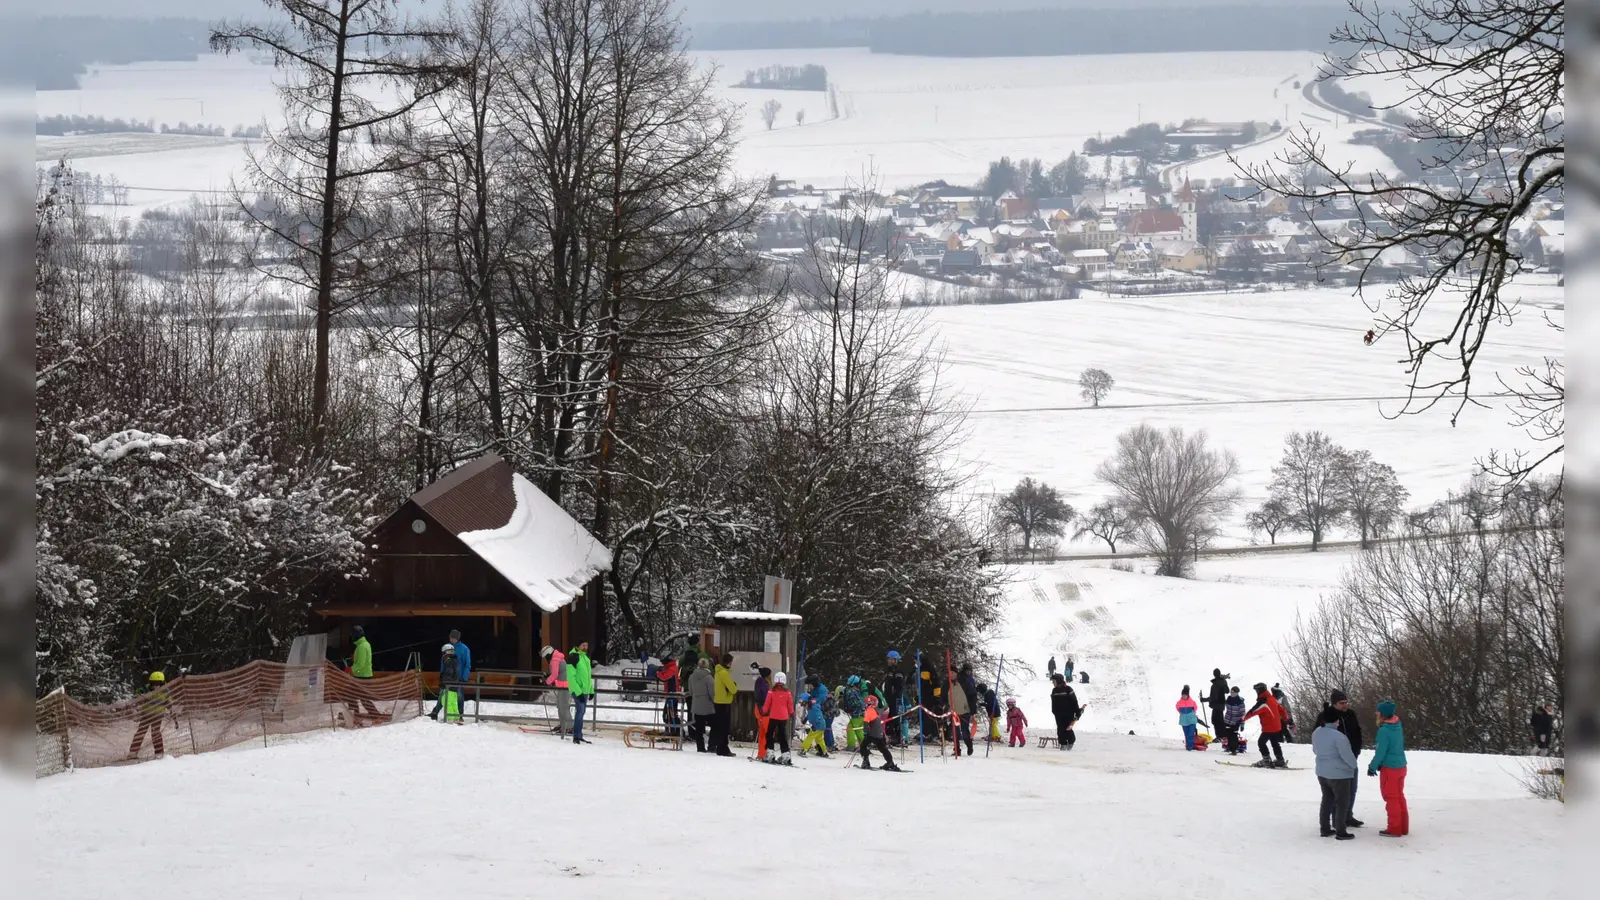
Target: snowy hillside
<point x="1142" y="637"/>
<point x="1248" y="368"/>
<point x="486" y="812"/>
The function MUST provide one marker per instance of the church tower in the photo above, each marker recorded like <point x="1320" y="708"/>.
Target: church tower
<point x="1186" y="209"/>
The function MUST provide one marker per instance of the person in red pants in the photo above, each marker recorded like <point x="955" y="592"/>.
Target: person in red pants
<point x="1389" y="764"/>
<point x="1016" y="724"/>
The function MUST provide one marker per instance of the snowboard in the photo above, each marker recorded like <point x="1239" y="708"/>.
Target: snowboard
<point x="1229" y="762"/>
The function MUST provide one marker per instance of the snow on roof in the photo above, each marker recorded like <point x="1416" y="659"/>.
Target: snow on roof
<point x="743" y="616"/>
<point x="542" y="551"/>
<point x="1090" y="254"/>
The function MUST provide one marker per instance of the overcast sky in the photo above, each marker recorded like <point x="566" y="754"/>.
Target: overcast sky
<point x="694" y="10"/>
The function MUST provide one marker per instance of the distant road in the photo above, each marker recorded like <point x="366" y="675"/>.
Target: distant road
<point x="1178" y="404"/>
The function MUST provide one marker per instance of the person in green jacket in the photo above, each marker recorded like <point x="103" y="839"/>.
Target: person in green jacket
<point x="1389" y="764"/>
<point x="722" y="716"/>
<point x="580" y="684"/>
<point x="361" y="668"/>
<point x="154" y="706"/>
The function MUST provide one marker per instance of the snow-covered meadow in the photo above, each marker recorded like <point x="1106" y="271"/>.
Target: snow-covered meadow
<point x="1247" y="367"/>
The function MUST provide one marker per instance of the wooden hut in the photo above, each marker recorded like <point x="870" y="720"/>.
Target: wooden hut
<point x="481" y="550"/>
<point x="759" y="638"/>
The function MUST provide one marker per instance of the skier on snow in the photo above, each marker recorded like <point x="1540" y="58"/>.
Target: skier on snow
<point x="1016" y="724"/>
<point x="1266" y="708"/>
<point x="872" y="736"/>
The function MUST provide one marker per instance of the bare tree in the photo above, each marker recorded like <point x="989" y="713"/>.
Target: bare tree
<point x="1484" y="101"/>
<point x="1095" y="384"/>
<point x="355" y="74"/>
<point x="1032" y="508"/>
<point x="769" y="112"/>
<point x="1109" y="521"/>
<point x="1373" y="495"/>
<point x="1308" y="484"/>
<point x="1175" y="485"/>
<point x="1271" y="517"/>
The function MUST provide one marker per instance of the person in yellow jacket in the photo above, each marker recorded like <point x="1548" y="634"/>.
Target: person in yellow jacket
<point x="154" y="704"/>
<point x="361" y="669"/>
<point x="722" y="716"/>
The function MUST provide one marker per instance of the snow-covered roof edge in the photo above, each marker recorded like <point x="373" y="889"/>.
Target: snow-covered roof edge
<point x="742" y="615"/>
<point x="542" y="551"/>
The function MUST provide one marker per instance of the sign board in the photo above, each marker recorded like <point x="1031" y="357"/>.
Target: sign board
<point x="771" y="640"/>
<point x="745" y="663"/>
<point x="776" y="595"/>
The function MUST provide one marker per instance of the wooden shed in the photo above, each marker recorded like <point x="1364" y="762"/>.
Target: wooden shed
<point x="480" y="550"/>
<point x="761" y="638"/>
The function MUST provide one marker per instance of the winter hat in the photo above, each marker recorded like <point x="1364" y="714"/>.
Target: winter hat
<point x="1011" y="701"/>
<point x="1338" y="696"/>
<point x="357" y="631"/>
<point x="1216" y="673"/>
<point x="894" y="654"/>
<point x="1331" y="716"/>
<point x="1186" y="690"/>
<point x="547" y="652"/>
<point x="1259" y="687"/>
<point x="1386" y="708"/>
<point x="704" y="663"/>
<point x="872" y="699"/>
<point x="765" y="672"/>
<point x="780" y="678"/>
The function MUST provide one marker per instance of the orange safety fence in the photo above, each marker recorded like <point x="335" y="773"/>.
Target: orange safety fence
<point x="200" y="713"/>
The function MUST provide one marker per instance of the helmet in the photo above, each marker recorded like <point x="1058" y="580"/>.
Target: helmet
<point x="894" y="654"/>
<point x="158" y="677"/>
<point x="1011" y="701"/>
<point x="780" y="678"/>
<point x="547" y="652"/>
<point x="448" y="648"/>
<point x="872" y="699"/>
<point x="805" y="697"/>
<point x="853" y="680"/>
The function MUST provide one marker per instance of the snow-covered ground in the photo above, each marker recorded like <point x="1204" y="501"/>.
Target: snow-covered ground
<point x="1248" y="368"/>
<point x="423" y="810"/>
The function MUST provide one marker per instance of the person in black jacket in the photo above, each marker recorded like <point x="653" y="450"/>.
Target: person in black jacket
<point x="1217" y="699"/>
<point x="1350" y="727"/>
<point x="894" y="692"/>
<point x="1064" y="706"/>
<point x="1543" y="725"/>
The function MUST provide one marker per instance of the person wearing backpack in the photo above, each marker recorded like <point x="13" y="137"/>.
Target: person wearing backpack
<point x="1389" y="764"/>
<point x="1188" y="718"/>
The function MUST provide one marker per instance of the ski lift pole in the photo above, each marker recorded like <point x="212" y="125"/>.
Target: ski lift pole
<point x="997" y="676"/>
<point x="922" y="755"/>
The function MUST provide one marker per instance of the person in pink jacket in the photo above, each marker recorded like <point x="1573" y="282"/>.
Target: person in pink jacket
<point x="1188" y="717"/>
<point x="556" y="678"/>
<point x="1016" y="724"/>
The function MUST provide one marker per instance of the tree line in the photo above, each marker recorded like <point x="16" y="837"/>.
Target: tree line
<point x="786" y="78"/>
<point x="78" y="124"/>
<point x="513" y="228"/>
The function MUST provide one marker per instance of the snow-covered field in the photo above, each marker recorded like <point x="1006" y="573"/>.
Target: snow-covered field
<point x="423" y="810"/>
<point x="1248" y="368"/>
<point x="907" y="119"/>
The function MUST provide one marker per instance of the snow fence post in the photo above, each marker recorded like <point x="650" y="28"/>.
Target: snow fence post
<point x="922" y="755"/>
<point x="1001" y="671"/>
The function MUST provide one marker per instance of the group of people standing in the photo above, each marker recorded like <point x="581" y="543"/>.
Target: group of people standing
<point x="1337" y="746"/>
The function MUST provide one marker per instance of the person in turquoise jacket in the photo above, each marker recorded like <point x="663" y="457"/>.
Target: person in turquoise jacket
<point x="580" y="684"/>
<point x="1188" y="717"/>
<point x="1389" y="764"/>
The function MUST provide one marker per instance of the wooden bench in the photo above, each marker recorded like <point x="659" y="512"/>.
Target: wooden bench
<point x="652" y="738"/>
<point x="1047" y="741"/>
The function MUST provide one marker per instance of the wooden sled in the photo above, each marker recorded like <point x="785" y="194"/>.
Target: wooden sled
<point x="651" y="738"/>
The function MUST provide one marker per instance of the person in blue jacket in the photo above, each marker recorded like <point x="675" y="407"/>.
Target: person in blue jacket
<point x="1389" y="764"/>
<point x="463" y="665"/>
<point x="1336" y="772"/>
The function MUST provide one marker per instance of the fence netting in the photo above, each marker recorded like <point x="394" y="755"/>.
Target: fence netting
<point x="199" y="713"/>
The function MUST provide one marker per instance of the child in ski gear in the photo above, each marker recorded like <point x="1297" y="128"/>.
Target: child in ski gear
<point x="1232" y="720"/>
<point x="153" y="707"/>
<point x="1016" y="724"/>
<point x="1188" y="717"/>
<point x="449" y="680"/>
<point x="991" y="708"/>
<point x="1266" y="708"/>
<point x="668" y="675"/>
<point x="1064" y="706"/>
<point x="855" y="708"/>
<point x="763" y="685"/>
<point x="775" y="713"/>
<point x="1283" y="709"/>
<point x="1336" y="770"/>
<point x="812" y="710"/>
<point x="1389" y="764"/>
<point x="872" y="736"/>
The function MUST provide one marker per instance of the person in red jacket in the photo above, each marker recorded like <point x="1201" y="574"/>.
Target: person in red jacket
<point x="777" y="709"/>
<point x="668" y="674"/>
<point x="1271" y="715"/>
